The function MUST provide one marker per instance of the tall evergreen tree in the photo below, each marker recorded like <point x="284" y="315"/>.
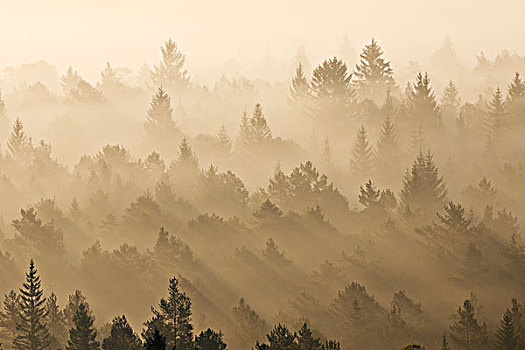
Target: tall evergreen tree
<point x="56" y="323"/>
<point x="110" y="78"/>
<point x="223" y="139"/>
<point x="497" y="113"/>
<point x="10" y="318"/>
<point x="361" y="161"/>
<point x="83" y="335"/>
<point x="159" y="118"/>
<point x="515" y="102"/>
<point x="69" y="81"/>
<point x="506" y="334"/>
<point x="422" y="102"/>
<point x="156" y="341"/>
<point x="374" y="74"/>
<point x="450" y="102"/>
<point x="209" y="340"/>
<point x="187" y="163"/>
<point x="258" y="126"/>
<point x="32" y="332"/>
<point x="280" y="338"/>
<point x="170" y="72"/>
<point x="466" y="332"/>
<point x="251" y="327"/>
<point x="387" y="154"/>
<point x="306" y="340"/>
<point x="300" y="89"/>
<point x="122" y="336"/>
<point x="369" y="196"/>
<point x="173" y="319"/>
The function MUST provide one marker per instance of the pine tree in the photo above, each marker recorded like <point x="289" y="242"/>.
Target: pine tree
<point x="331" y="89"/>
<point x="72" y="306"/>
<point x="170" y="72"/>
<point x="110" y="78"/>
<point x="187" y="161"/>
<point x="361" y="161"/>
<point x="387" y="150"/>
<point x="300" y="89"/>
<point x="450" y="102"/>
<point x="416" y="141"/>
<point x="10" y="317"/>
<point x="369" y="196"/>
<point x="518" y="318"/>
<point x="251" y="327"/>
<point x="422" y="102"/>
<point x="18" y="144"/>
<point x="258" y="126"/>
<point x="423" y="187"/>
<point x="374" y="74"/>
<point x="497" y="114"/>
<point x="32" y="332"/>
<point x="280" y="338"/>
<point x="273" y="254"/>
<point x="306" y="340"/>
<point x="56" y="323"/>
<point x="83" y="335"/>
<point x="173" y="319"/>
<point x="223" y="140"/>
<point x="506" y="334"/>
<point x="516" y="88"/>
<point x="70" y="81"/>
<point x="122" y="336"/>
<point x="156" y="341"/>
<point x="515" y="103"/>
<point x="444" y="342"/>
<point x="209" y="340"/>
<point x="465" y="331"/>
<point x="160" y="112"/>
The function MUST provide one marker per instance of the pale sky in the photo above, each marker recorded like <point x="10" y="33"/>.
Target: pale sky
<point x="86" y="34"/>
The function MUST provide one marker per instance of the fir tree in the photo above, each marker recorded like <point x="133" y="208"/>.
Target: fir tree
<point x="245" y="132"/>
<point x="187" y="162"/>
<point x="280" y="338"/>
<point x="122" y="336"/>
<point x="173" y="319"/>
<point x="361" y="161"/>
<point x="416" y="141"/>
<point x="506" y="334"/>
<point x="515" y="103"/>
<point x="369" y="196"/>
<point x="70" y="81"/>
<point x="465" y="331"/>
<point x="374" y="74"/>
<point x="258" y="126"/>
<point x="300" y="89"/>
<point x="156" y="341"/>
<point x="497" y="114"/>
<point x="306" y="340"/>
<point x="516" y="88"/>
<point x="273" y="254"/>
<point x="450" y="102"/>
<point x="387" y="150"/>
<point x="72" y="306"/>
<point x="209" y="340"/>
<point x="160" y="113"/>
<point x="422" y="102"/>
<point x="32" y="332"/>
<point x="10" y="316"/>
<point x="83" y="335"/>
<point x="18" y="144"/>
<point x="170" y="71"/>
<point x="56" y="323"/>
<point x="110" y="78"/>
<point x="223" y="140"/>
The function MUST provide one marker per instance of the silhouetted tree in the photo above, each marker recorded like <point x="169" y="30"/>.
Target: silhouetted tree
<point x="466" y="333"/>
<point x="506" y="335"/>
<point x="209" y="340"/>
<point x="83" y="335"/>
<point x="122" y="336"/>
<point x="280" y="338"/>
<point x="156" y="341"/>
<point x="306" y="340"/>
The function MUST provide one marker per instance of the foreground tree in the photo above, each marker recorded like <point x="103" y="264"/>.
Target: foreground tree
<point x="10" y="317"/>
<point x="83" y="335"/>
<point x="209" y="340"/>
<point x="156" y="341"/>
<point x="56" y="323"/>
<point x="466" y="332"/>
<point x="122" y="336"/>
<point x="32" y="332"/>
<point x="506" y="334"/>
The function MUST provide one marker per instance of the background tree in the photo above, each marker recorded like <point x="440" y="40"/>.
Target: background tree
<point x="422" y="102"/>
<point x="56" y="323"/>
<point x="32" y="332"/>
<point x="170" y="72"/>
<point x="450" y="102"/>
<point x="223" y="139"/>
<point x="250" y="326"/>
<point x="515" y="101"/>
<point x="18" y="145"/>
<point x="10" y="318"/>
<point x="361" y="161"/>
<point x="497" y="114"/>
<point x="83" y="335"/>
<point x="506" y="334"/>
<point x="300" y="89"/>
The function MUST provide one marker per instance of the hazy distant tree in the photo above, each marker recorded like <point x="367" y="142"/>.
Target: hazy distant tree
<point x="223" y="140"/>
<point x="396" y="328"/>
<point x="84" y="92"/>
<point x="466" y="332"/>
<point x="300" y="89"/>
<point x="444" y="342"/>
<point x="173" y="319"/>
<point x="209" y="340"/>
<point x="369" y="196"/>
<point x="387" y="154"/>
<point x="331" y="345"/>
<point x="361" y="160"/>
<point x="122" y="336"/>
<point x="450" y="102"/>
<point x="327" y="159"/>
<point x="306" y="340"/>
<point x="251" y="327"/>
<point x="272" y="253"/>
<point x="280" y="338"/>
<point x="69" y="81"/>
<point x="4" y="121"/>
<point x="506" y="334"/>
<point x="83" y="335"/>
<point x="72" y="306"/>
<point x="423" y="187"/>
<point x="422" y="102"/>
<point x="331" y="89"/>
<point x="416" y="141"/>
<point x="156" y="341"/>
<point x="32" y="332"/>
<point x="74" y="211"/>
<point x="515" y="103"/>
<point x="259" y="130"/>
<point x="56" y="323"/>
<point x="18" y="144"/>
<point x="160" y="127"/>
<point x="497" y="113"/>
<point x="374" y="74"/>
<point x="170" y="72"/>
<point x="110" y="78"/>
<point x="10" y="317"/>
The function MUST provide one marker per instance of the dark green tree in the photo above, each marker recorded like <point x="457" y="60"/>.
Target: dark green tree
<point x="374" y="75"/>
<point x="466" y="332"/>
<point x="280" y="338"/>
<point x="32" y="332"/>
<point x="209" y="340"/>
<point x="173" y="319"/>
<point x="83" y="335"/>
<point x="156" y="341"/>
<point x="122" y="336"/>
<point x="306" y="340"/>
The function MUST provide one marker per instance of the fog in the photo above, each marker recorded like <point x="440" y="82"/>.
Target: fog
<point x="283" y="175"/>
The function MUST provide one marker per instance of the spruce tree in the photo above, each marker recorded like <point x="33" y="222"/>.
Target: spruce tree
<point x="515" y="102"/>
<point x="422" y="102"/>
<point x="10" y="317"/>
<point x="466" y="333"/>
<point x="223" y="140"/>
<point x="83" y="335"/>
<point x="300" y="89"/>
<point x="450" y="102"/>
<point x="374" y="75"/>
<point x="518" y="318"/>
<point x="18" y="144"/>
<point x="387" y="154"/>
<point x="187" y="162"/>
<point x="516" y="88"/>
<point x="122" y="336"/>
<point x="306" y="340"/>
<point x="159" y="116"/>
<point x="32" y="332"/>
<point x="496" y="114"/>
<point x="209" y="340"/>
<point x="506" y="334"/>
<point x="156" y="341"/>
<point x="258" y="126"/>
<point x="56" y="323"/>
<point x="72" y="306"/>
<point x="110" y="78"/>
<point x="369" y="196"/>
<point x="173" y="319"/>
<point x="170" y="72"/>
<point x="280" y="338"/>
<point x="361" y="160"/>
<point x="69" y="81"/>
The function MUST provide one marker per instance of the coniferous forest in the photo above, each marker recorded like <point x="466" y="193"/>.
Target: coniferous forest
<point x="344" y="207"/>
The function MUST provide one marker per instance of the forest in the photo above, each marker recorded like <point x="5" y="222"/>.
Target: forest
<point x="343" y="208"/>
